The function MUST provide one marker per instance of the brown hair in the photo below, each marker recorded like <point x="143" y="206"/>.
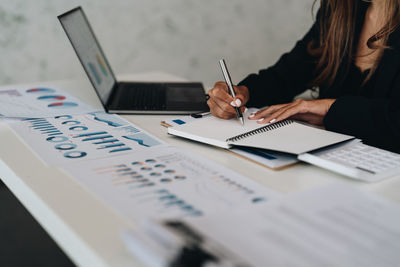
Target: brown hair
<point x="337" y="31"/>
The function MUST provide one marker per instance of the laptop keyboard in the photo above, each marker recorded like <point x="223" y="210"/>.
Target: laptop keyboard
<point x="144" y="96"/>
<point x="364" y="157"/>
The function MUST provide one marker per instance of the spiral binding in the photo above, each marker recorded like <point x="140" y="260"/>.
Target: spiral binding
<point x="263" y="129"/>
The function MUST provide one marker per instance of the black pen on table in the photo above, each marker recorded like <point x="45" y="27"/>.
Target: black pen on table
<point x="228" y="81"/>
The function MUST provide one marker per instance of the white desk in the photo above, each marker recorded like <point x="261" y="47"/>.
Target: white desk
<point x="86" y="229"/>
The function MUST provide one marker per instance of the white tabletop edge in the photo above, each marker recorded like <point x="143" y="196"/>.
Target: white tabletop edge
<point x="71" y="243"/>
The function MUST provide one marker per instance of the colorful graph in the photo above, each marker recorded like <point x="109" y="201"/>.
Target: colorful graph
<point x="180" y="177"/>
<point x="94" y="72"/>
<point x="108" y="119"/>
<point x="40" y="90"/>
<point x="159" y="166"/>
<point x="53" y="135"/>
<point x="143" y="189"/>
<point x="130" y="129"/>
<point x="62" y="105"/>
<point x="51" y="97"/>
<point x="44" y="127"/>
<point x="151" y="169"/>
<point x="138" y="176"/>
<point x="142" y="139"/>
<point x="105" y="140"/>
<point x="101" y="65"/>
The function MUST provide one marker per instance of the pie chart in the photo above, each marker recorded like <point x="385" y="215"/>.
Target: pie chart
<point x="62" y="105"/>
<point x="51" y="97"/>
<point x="40" y="90"/>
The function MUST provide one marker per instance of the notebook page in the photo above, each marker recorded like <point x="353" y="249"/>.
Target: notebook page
<point x="214" y="131"/>
<point x="294" y="138"/>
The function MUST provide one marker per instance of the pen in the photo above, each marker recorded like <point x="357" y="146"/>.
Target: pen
<point x="230" y="85"/>
<point x="200" y="115"/>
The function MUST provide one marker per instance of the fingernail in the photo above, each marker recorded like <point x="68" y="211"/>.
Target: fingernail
<point x="252" y="115"/>
<point x="272" y="121"/>
<point x="233" y="104"/>
<point x="238" y="102"/>
<point x="261" y="119"/>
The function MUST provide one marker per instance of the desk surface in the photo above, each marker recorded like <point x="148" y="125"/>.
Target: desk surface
<point x="89" y="231"/>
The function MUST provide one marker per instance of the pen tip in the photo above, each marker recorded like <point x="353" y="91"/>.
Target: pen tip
<point x="241" y="120"/>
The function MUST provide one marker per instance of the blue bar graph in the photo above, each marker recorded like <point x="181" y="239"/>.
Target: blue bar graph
<point x="113" y="145"/>
<point x="97" y="137"/>
<point x="53" y="131"/>
<point x="89" y="134"/>
<point x="53" y="134"/>
<point x="121" y="149"/>
<point x="48" y="129"/>
<point x="42" y="127"/>
<point x="106" y="141"/>
<point x="110" y="142"/>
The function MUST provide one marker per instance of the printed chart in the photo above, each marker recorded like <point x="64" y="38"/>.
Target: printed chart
<point x="67" y="138"/>
<point x="166" y="182"/>
<point x="39" y="102"/>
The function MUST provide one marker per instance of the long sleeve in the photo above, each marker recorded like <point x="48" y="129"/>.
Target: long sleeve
<point x="375" y="121"/>
<point x="287" y="78"/>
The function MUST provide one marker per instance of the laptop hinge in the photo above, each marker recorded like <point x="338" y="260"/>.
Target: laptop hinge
<point x="112" y="95"/>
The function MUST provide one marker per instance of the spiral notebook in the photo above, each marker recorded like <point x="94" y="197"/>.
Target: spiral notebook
<point x="287" y="136"/>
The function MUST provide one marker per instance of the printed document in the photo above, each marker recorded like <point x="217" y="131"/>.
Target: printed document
<point x="167" y="182"/>
<point x="70" y="138"/>
<point x="334" y="225"/>
<point x="39" y="102"/>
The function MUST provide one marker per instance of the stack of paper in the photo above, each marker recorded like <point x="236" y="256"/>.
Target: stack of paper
<point x="329" y="226"/>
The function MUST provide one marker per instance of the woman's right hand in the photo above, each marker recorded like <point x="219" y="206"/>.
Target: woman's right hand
<point x="222" y="104"/>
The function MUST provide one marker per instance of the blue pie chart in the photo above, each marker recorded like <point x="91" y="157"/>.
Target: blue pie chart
<point x="51" y="97"/>
<point x="40" y="90"/>
<point x="62" y="105"/>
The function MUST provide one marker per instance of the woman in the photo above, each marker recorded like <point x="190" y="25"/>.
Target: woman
<point x="352" y="54"/>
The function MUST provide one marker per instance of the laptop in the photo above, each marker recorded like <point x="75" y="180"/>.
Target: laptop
<point x="127" y="97"/>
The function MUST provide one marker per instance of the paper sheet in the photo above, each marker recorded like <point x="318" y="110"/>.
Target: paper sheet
<point x="270" y="159"/>
<point x="178" y="121"/>
<point x="215" y="130"/>
<point x="39" y="102"/>
<point x="330" y="226"/>
<point x="70" y="138"/>
<point x="167" y="182"/>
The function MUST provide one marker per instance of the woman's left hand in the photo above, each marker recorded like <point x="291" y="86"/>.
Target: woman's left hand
<point x="311" y="111"/>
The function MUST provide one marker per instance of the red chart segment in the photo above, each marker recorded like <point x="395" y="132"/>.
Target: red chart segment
<point x="40" y="90"/>
<point x="62" y="105"/>
<point x="51" y="97"/>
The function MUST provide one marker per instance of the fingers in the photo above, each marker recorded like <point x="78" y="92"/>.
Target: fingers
<point x="312" y="111"/>
<point x="265" y="112"/>
<point x="220" y="92"/>
<point x="242" y="96"/>
<point x="285" y="112"/>
<point x="281" y="112"/>
<point x="221" y="111"/>
<point x="221" y="103"/>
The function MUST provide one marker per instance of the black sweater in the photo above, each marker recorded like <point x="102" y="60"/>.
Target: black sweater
<point x="370" y="112"/>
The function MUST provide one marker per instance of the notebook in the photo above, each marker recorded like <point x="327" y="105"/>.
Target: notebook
<point x="287" y="136"/>
<point x="267" y="158"/>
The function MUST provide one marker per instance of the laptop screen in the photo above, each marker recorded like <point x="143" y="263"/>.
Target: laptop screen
<point x="89" y="52"/>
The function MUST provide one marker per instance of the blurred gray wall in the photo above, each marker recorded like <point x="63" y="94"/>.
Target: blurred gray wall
<point x="182" y="37"/>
